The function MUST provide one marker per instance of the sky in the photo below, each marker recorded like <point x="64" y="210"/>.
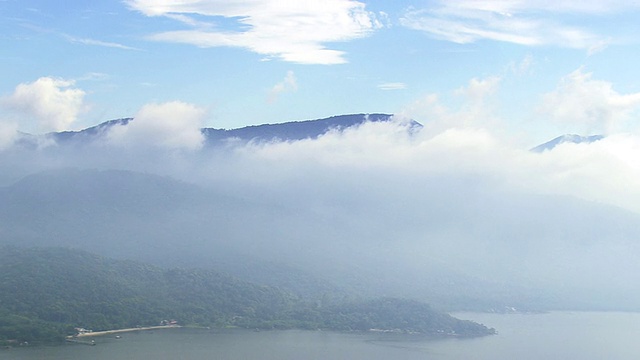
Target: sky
<point x="530" y="63"/>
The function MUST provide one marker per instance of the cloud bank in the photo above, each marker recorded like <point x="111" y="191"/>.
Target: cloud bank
<point x="294" y="31"/>
<point x="468" y="138"/>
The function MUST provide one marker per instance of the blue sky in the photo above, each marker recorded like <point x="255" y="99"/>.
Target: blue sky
<point x="528" y="64"/>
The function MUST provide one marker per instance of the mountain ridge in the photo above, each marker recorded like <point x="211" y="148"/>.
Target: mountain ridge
<point x="285" y="131"/>
<point x="566" y="138"/>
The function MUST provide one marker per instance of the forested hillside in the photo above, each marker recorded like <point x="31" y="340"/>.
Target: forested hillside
<point x="46" y="292"/>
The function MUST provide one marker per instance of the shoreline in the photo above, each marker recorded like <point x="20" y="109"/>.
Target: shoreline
<point x="117" y="331"/>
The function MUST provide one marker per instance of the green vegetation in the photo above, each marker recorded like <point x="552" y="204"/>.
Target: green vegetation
<point x="46" y="292"/>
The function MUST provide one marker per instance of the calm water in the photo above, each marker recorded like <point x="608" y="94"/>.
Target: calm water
<point x="584" y="336"/>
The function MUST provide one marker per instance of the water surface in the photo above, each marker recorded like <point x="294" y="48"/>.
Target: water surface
<point x="561" y="335"/>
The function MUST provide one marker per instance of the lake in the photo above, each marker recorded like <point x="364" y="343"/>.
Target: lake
<point x="557" y="335"/>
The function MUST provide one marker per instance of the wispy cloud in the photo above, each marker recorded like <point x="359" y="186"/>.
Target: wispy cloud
<point x="289" y="83"/>
<point x="94" y="42"/>
<point x="94" y="76"/>
<point x="523" y="67"/>
<point x="475" y="110"/>
<point x="529" y="23"/>
<point x="294" y="31"/>
<point x="392" y="86"/>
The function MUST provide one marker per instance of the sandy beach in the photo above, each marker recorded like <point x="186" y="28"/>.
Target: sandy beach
<point x="117" y="331"/>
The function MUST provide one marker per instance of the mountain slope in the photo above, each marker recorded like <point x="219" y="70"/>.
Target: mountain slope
<point x="451" y="254"/>
<point x="159" y="220"/>
<point x="58" y="289"/>
<point x="66" y="288"/>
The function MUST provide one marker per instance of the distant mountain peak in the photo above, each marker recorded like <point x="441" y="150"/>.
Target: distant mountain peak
<point x="295" y="130"/>
<point x="89" y="132"/>
<point x="567" y="138"/>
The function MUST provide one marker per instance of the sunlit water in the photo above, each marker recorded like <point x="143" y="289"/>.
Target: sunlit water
<point x="584" y="336"/>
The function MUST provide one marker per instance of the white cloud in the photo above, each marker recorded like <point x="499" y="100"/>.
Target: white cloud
<point x="293" y="31"/>
<point x="289" y="83"/>
<point x="529" y="23"/>
<point x="594" y="104"/>
<point x="479" y="89"/>
<point x="171" y="125"/>
<point x="53" y="103"/>
<point x="392" y="86"/>
<point x="475" y="109"/>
